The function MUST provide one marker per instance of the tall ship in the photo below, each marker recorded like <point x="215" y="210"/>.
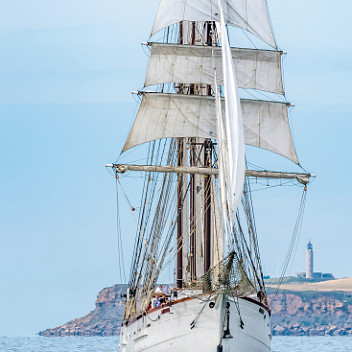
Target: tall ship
<point x="195" y="222"/>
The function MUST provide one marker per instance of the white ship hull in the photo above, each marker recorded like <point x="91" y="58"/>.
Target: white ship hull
<point x="169" y="328"/>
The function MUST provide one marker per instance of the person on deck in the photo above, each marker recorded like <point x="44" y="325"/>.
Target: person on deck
<point x="157" y="302"/>
<point x="260" y="296"/>
<point x="163" y="300"/>
<point x="159" y="289"/>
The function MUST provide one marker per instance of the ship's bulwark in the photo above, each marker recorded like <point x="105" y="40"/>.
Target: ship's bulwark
<point x="199" y="324"/>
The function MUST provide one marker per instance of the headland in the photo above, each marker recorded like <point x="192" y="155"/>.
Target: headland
<point x="298" y="308"/>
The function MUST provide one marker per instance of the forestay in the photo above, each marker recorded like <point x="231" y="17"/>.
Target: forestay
<point x="255" y="69"/>
<point x="251" y="15"/>
<point x="161" y="115"/>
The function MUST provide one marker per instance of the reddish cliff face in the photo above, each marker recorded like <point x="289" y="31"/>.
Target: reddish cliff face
<point x="311" y="313"/>
<point x="104" y="320"/>
<point x="293" y="313"/>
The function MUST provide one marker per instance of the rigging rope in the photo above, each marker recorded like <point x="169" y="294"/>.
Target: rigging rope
<point x="252" y="231"/>
<point x="194" y="322"/>
<point x="119" y="240"/>
<point x="289" y="183"/>
<point x="295" y="235"/>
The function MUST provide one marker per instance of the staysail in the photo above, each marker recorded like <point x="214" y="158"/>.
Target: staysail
<point x="251" y="15"/>
<point x="232" y="168"/>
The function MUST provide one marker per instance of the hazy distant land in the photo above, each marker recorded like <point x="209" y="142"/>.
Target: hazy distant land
<point x="300" y="308"/>
<point x="343" y="285"/>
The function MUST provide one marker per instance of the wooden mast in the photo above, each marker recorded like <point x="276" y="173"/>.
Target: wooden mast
<point x="196" y="238"/>
<point x="179" y="238"/>
<point x="179" y="269"/>
<point x="207" y="178"/>
<point x="193" y="242"/>
<point x="207" y="207"/>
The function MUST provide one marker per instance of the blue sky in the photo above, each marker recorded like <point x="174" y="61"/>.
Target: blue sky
<point x="66" y="72"/>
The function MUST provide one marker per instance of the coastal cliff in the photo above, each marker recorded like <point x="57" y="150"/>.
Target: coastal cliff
<point x="104" y="320"/>
<point x="311" y="313"/>
<point x="305" y="312"/>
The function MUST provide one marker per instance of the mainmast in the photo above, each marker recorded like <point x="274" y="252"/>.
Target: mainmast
<point x="208" y="149"/>
<point x="200" y="151"/>
<point x="193" y="162"/>
<point x="180" y="211"/>
<point x="207" y="206"/>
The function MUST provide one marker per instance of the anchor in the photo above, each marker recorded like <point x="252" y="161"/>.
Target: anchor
<point x="227" y="334"/>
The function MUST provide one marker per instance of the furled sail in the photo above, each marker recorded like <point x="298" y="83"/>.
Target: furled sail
<point x="255" y="69"/>
<point x="160" y="115"/>
<point x="251" y="15"/>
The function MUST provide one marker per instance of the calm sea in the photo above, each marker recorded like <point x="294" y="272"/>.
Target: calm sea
<point x="109" y="344"/>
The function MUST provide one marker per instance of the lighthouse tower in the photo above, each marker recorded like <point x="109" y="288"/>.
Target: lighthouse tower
<point x="309" y="263"/>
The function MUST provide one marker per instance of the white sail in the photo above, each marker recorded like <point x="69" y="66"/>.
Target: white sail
<point x="266" y="123"/>
<point x="255" y="69"/>
<point x="224" y="175"/>
<point x="234" y="164"/>
<point x="251" y="15"/>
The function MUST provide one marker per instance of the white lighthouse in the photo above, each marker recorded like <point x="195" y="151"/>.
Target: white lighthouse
<point x="309" y="261"/>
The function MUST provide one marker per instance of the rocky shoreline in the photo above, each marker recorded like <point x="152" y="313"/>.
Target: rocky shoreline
<point x="104" y="320"/>
<point x="293" y="314"/>
<point x="311" y="314"/>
